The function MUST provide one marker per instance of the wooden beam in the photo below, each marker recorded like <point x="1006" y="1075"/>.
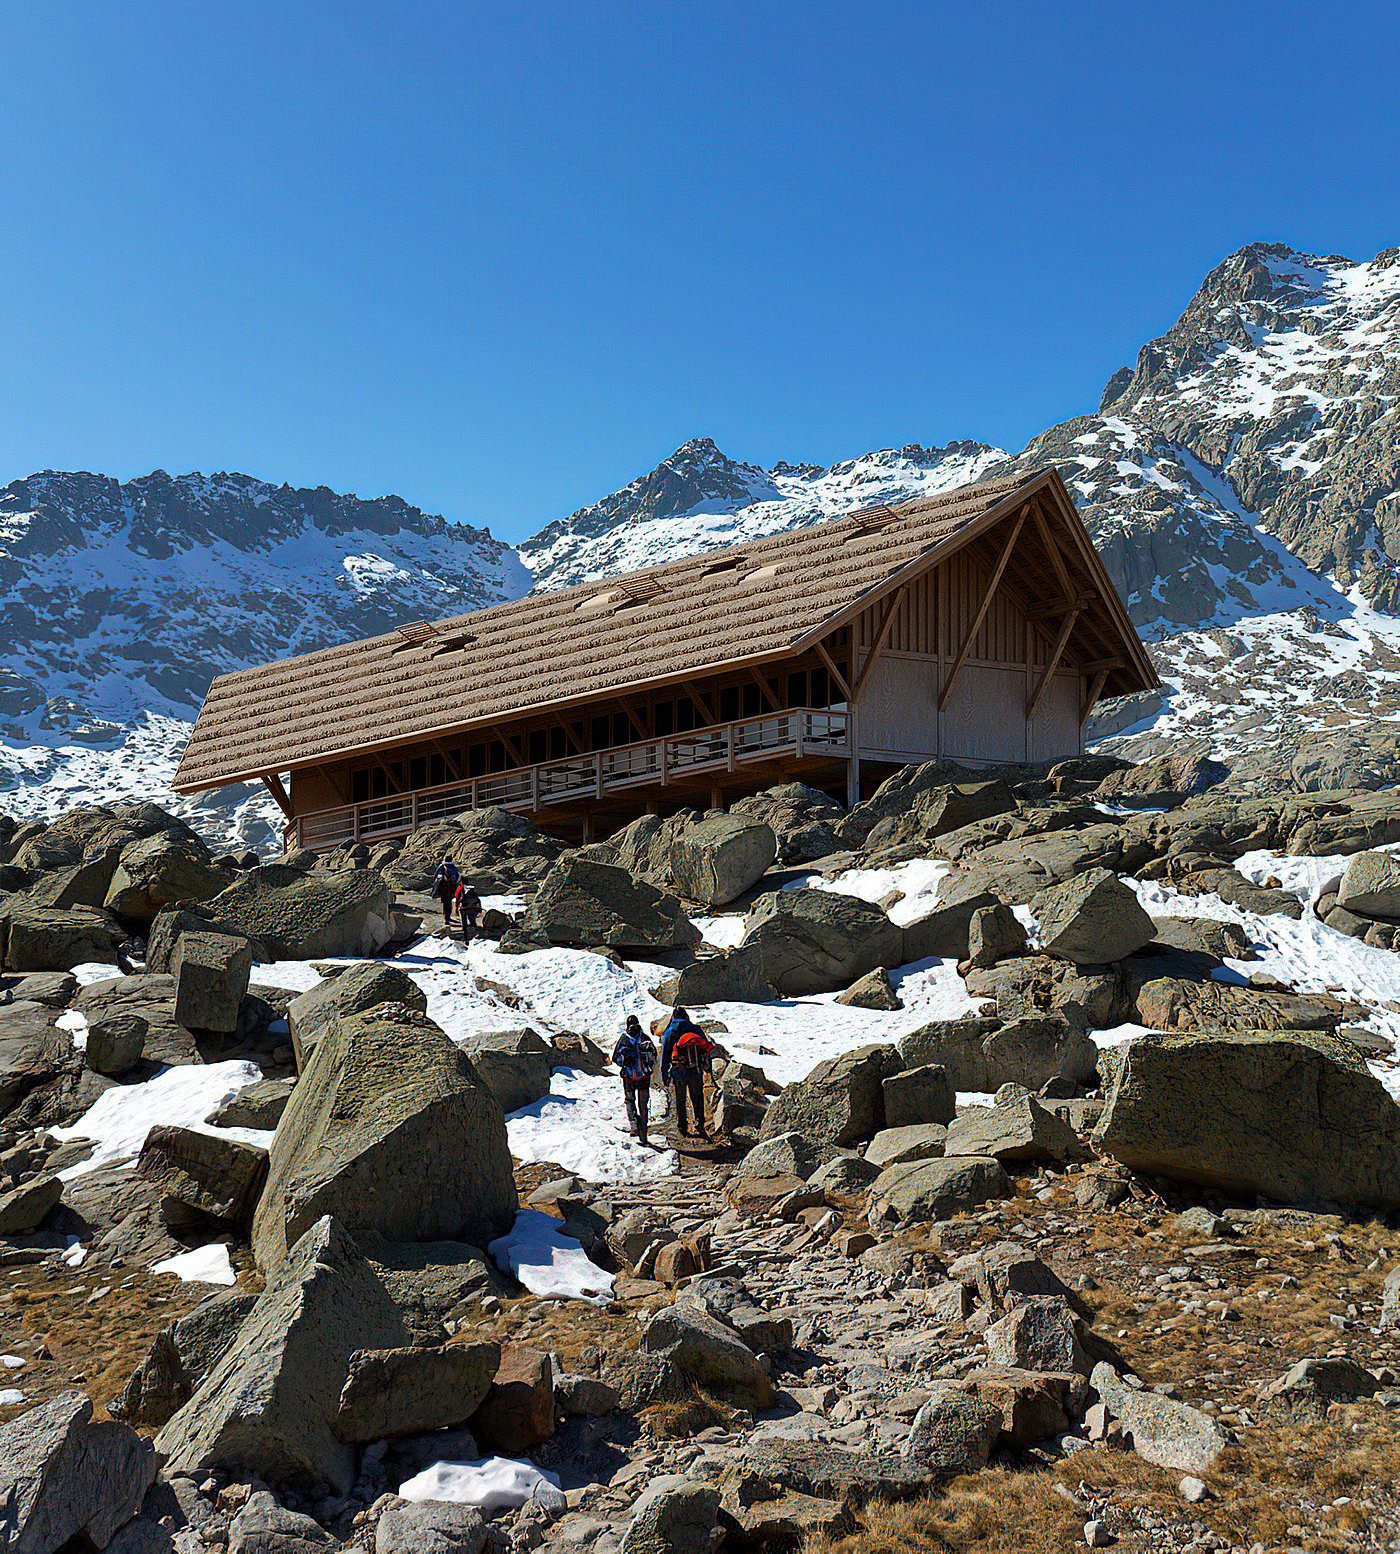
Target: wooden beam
<point x="1011" y="586"/>
<point x="835" y="673"/>
<point x="1053" y="551"/>
<point x="331" y="778"/>
<point x="273" y="783"/>
<point x="448" y="759"/>
<point x="882" y="630"/>
<point x="1053" y="663"/>
<point x="1094" y="665"/>
<point x="700" y="707"/>
<point x="1080" y="601"/>
<point x="1095" y="691"/>
<point x="638" y="728"/>
<point x="388" y="775"/>
<point x="512" y="752"/>
<point x="569" y="734"/>
<point x="986" y="605"/>
<point x="767" y="691"/>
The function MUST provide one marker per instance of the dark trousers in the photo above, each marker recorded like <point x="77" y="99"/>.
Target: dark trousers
<point x="637" y="1094"/>
<point x="689" y="1082"/>
<point x="447" y="909"/>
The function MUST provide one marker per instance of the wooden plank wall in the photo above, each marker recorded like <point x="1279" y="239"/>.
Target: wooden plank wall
<point x="985" y="718"/>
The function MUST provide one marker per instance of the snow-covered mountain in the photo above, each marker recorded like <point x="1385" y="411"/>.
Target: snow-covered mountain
<point x="1242" y="482"/>
<point x="123" y="601"/>
<point x="699" y="500"/>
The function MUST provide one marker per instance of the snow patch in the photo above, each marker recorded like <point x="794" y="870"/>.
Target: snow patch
<point x="548" y="1263"/>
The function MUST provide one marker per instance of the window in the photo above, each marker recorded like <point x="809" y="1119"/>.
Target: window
<point x="537" y="746"/>
<point x="558" y="745"/>
<point x="359" y="787"/>
<point x="418" y="772"/>
<point x="752" y="703"/>
<point x="729" y="704"/>
<point x="599" y="734"/>
<point x="476" y="761"/>
<point x="797" y="689"/>
<point x="663" y="717"/>
<point x="725" y="564"/>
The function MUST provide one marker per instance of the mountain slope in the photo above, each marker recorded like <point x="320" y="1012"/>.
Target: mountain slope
<point x="123" y="601"/>
<point x="130" y="598"/>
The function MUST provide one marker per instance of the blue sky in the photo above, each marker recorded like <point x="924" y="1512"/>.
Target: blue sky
<point x="501" y="259"/>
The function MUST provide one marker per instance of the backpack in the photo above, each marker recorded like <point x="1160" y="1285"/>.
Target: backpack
<point x="445" y="885"/>
<point x="692" y="1049"/>
<point x="636" y="1057"/>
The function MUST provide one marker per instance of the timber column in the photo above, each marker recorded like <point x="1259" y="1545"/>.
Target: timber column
<point x="853" y="770"/>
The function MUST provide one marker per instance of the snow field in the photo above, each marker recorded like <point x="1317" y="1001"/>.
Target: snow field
<point x="181" y="1097"/>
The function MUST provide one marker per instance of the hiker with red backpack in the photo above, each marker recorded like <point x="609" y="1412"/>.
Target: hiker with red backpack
<point x="687" y="1055"/>
<point x="468" y="910"/>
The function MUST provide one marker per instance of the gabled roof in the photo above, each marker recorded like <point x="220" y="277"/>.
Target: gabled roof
<point x="752" y="603"/>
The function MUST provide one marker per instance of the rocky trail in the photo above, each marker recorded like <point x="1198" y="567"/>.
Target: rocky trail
<point x="1051" y="1200"/>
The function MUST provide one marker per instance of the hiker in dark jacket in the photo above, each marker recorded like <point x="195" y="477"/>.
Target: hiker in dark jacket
<point x="445" y="883"/>
<point x="635" y="1055"/>
<point x="686" y="1055"/>
<point x="468" y="911"/>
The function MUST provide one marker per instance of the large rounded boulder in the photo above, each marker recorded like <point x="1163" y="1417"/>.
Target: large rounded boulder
<point x="722" y="857"/>
<point x="1295" y="1116"/>
<point x="300" y="916"/>
<point x="1093" y="919"/>
<point x="841" y="1102"/>
<point x="584" y="902"/>
<point x="819" y="941"/>
<point x="391" y="1130"/>
<point x="160" y="869"/>
<point x="1371" y="886"/>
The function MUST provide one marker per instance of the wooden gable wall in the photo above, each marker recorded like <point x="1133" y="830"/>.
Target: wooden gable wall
<point x="984" y="719"/>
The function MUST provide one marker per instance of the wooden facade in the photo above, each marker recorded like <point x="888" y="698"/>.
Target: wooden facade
<point x="989" y="643"/>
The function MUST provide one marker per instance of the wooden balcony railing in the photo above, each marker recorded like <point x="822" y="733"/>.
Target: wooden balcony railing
<point x="803" y="731"/>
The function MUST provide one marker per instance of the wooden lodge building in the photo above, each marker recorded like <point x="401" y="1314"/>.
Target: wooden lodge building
<point x="978" y="626"/>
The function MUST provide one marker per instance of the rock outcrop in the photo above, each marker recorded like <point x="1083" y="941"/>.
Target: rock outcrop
<point x="391" y="1130"/>
<point x="1295" y="1116"/>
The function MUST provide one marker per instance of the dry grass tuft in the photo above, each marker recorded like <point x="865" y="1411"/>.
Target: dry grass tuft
<point x="685" y="1414"/>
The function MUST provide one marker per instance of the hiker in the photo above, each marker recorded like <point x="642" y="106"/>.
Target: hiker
<point x="686" y="1055"/>
<point x="468" y="910"/>
<point x="445" y="883"/>
<point x="635" y="1055"/>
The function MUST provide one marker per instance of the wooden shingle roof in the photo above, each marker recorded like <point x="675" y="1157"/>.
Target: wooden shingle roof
<point x="751" y="603"/>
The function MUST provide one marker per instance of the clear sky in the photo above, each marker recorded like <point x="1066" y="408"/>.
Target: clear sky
<point x="501" y="259"/>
